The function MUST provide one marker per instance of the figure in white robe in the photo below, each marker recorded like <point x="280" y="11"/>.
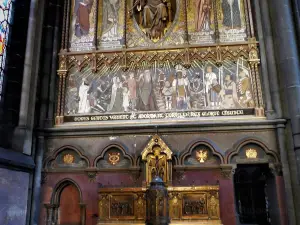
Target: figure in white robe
<point x="116" y="96"/>
<point x="211" y="80"/>
<point x="84" y="103"/>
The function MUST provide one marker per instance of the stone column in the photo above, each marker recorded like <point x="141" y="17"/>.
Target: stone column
<point x="22" y="140"/>
<point x="268" y="68"/>
<point x="36" y="197"/>
<point x="52" y="84"/>
<point x="286" y="174"/>
<point x="288" y="65"/>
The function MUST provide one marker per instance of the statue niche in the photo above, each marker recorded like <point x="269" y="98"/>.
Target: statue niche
<point x="157" y="164"/>
<point x="154" y="16"/>
<point x="158" y="159"/>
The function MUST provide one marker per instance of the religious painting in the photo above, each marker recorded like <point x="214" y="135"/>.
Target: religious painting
<point x="111" y="24"/>
<point x="201" y="27"/>
<point x="82" y="25"/>
<point x="231" y="19"/>
<point x="13" y="197"/>
<point x="166" y="87"/>
<point x="155" y="23"/>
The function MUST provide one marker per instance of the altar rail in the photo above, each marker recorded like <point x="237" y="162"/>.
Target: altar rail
<point x="124" y="206"/>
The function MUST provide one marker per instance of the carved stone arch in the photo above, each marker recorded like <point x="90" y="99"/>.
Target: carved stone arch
<point x="215" y="156"/>
<point x="53" y="207"/>
<point x="114" y="156"/>
<point x="60" y="186"/>
<point x="73" y="158"/>
<point x="260" y="155"/>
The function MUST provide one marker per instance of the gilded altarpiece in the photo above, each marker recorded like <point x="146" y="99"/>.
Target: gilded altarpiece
<point x="157" y="60"/>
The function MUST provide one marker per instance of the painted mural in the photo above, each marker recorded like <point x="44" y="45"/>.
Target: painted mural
<point x="166" y="88"/>
<point x="201" y="26"/>
<point x="155" y="23"/>
<point x="231" y="20"/>
<point x="111" y="20"/>
<point x="13" y="200"/>
<point x="82" y="26"/>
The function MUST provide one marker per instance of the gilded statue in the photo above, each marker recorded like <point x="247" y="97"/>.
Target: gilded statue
<point x="153" y="16"/>
<point x="157" y="163"/>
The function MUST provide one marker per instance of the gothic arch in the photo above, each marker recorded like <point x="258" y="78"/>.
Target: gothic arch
<point x="55" y="202"/>
<point x="194" y="144"/>
<point x="59" y="187"/>
<point x="248" y="141"/>
<point x="54" y="156"/>
<point x="121" y="148"/>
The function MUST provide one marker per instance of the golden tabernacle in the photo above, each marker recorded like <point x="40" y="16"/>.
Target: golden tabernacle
<point x="125" y="206"/>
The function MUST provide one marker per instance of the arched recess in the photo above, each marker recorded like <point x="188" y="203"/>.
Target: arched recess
<point x="256" y="168"/>
<point x="66" y="157"/>
<point x="114" y="156"/>
<point x="66" y="206"/>
<point x="251" y="151"/>
<point x="201" y="153"/>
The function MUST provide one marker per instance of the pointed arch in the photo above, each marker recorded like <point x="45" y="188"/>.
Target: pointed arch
<point x="118" y="146"/>
<point x="250" y="141"/>
<point x="191" y="147"/>
<point x="57" y="152"/>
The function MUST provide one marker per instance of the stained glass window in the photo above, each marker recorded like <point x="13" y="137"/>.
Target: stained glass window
<point x="5" y="21"/>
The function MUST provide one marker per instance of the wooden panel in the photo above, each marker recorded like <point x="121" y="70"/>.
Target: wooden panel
<point x="69" y="213"/>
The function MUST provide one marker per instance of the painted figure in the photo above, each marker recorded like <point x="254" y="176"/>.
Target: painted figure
<point x="244" y="90"/>
<point x="84" y="103"/>
<point x="202" y="15"/>
<point x="125" y="99"/>
<point x="197" y="92"/>
<point x="154" y="16"/>
<point x="167" y="92"/>
<point x="229" y="93"/>
<point x="211" y="82"/>
<point x="180" y="87"/>
<point x="82" y="12"/>
<point x="110" y="19"/>
<point x="132" y="85"/>
<point x="116" y="96"/>
<point x="146" y="91"/>
<point x="231" y="14"/>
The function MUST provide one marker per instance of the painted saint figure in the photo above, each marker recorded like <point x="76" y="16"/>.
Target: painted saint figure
<point x="231" y="14"/>
<point x="84" y="103"/>
<point x="202" y="15"/>
<point x="132" y="85"/>
<point x="116" y="101"/>
<point x="146" y="91"/>
<point x="229" y="93"/>
<point x="167" y="92"/>
<point x="154" y="16"/>
<point x="110" y="19"/>
<point x="82" y="12"/>
<point x="244" y="90"/>
<point x="180" y="87"/>
<point x="211" y="82"/>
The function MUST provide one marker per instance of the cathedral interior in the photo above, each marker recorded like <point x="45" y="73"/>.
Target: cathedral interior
<point x="149" y="112"/>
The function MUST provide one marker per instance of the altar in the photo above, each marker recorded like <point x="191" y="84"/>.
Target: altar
<point x="184" y="205"/>
<point x="197" y="205"/>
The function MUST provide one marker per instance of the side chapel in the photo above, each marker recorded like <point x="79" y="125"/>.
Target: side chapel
<point x="201" y="93"/>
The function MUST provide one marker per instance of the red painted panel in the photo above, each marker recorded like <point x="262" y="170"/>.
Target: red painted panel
<point x="69" y="213"/>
